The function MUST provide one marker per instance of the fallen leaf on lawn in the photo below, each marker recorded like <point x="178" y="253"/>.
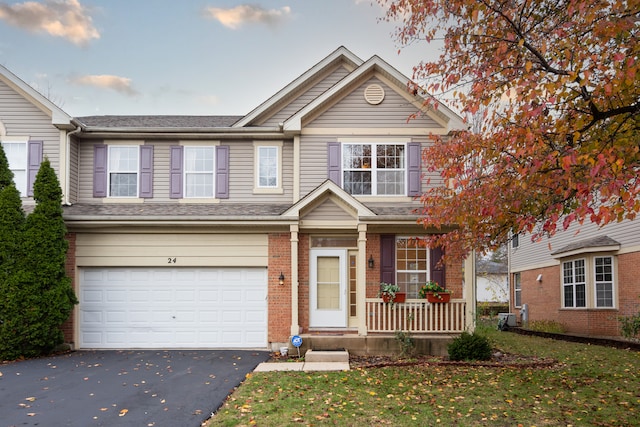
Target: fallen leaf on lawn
<point x="123" y="412"/>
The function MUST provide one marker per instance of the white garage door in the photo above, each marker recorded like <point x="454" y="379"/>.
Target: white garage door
<point x="173" y="308"/>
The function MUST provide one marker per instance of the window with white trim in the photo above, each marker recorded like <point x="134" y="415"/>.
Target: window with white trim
<point x="267" y="164"/>
<point x="16" y="153"/>
<point x="517" y="290"/>
<point x="574" y="283"/>
<point x="199" y="170"/>
<point x="123" y="164"/>
<point x="374" y="169"/>
<point x="412" y="261"/>
<point x="604" y="281"/>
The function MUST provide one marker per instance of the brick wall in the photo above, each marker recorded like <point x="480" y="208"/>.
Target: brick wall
<point x="279" y="296"/>
<point x="544" y="299"/>
<point x="303" y="278"/>
<point x="70" y="269"/>
<point x="373" y="274"/>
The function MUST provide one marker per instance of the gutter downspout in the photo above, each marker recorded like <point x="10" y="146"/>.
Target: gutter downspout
<point x="67" y="163"/>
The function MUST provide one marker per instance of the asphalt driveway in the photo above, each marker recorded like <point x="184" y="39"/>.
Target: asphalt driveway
<point x="122" y="388"/>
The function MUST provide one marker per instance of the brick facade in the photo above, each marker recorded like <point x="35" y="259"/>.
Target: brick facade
<point x="544" y="299"/>
<point x="279" y="296"/>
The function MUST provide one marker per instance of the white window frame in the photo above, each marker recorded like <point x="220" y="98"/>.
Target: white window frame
<point x="20" y="174"/>
<point x="575" y="283"/>
<point x="517" y="290"/>
<point x="188" y="172"/>
<point x="112" y="171"/>
<point x="372" y="167"/>
<point x="603" y="281"/>
<point x="415" y="276"/>
<point x="260" y="159"/>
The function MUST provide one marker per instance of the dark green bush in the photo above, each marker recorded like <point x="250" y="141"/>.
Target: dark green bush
<point x="470" y="347"/>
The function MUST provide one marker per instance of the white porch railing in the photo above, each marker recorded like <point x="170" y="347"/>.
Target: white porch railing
<point x="416" y="315"/>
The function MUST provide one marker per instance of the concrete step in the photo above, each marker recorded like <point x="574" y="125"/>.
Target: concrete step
<point x="326" y="356"/>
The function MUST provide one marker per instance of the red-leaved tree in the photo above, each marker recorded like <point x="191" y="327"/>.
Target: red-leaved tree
<point x="559" y="83"/>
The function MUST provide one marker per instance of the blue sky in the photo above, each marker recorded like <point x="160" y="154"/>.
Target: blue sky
<point x="199" y="57"/>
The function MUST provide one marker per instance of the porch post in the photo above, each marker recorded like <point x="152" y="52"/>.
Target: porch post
<point x="295" y="323"/>
<point x="470" y="291"/>
<point x="361" y="278"/>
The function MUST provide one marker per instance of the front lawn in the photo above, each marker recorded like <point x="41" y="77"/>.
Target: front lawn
<point x="589" y="385"/>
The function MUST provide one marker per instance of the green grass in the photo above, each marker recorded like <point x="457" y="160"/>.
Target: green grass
<point x="589" y="386"/>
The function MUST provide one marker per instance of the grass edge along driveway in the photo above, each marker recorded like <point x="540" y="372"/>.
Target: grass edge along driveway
<point x="590" y="385"/>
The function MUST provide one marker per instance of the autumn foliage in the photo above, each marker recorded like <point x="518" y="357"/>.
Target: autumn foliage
<point x="555" y="84"/>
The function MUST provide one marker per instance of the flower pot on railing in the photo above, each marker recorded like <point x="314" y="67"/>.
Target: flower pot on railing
<point x="436" y="297"/>
<point x="434" y="293"/>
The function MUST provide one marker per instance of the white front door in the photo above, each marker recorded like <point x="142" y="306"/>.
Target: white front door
<point x="328" y="290"/>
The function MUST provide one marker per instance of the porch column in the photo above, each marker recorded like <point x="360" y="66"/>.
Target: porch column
<point x="470" y="291"/>
<point x="361" y="280"/>
<point x="295" y="322"/>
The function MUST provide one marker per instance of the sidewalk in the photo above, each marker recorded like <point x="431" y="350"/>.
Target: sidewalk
<point x="302" y="366"/>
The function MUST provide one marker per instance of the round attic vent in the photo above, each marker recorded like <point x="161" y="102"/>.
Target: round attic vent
<point x="374" y="94"/>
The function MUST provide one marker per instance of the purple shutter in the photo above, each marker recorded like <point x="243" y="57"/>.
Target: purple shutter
<point x="146" y="171"/>
<point x="388" y="259"/>
<point x="34" y="153"/>
<point x="414" y="160"/>
<point x="175" y="171"/>
<point x="99" y="171"/>
<point x="334" y="161"/>
<point x="437" y="268"/>
<point x="222" y="172"/>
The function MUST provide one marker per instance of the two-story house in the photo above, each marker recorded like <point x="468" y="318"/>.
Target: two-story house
<point x="243" y="231"/>
<point x="584" y="277"/>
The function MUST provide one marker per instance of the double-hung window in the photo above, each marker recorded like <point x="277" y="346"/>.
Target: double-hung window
<point x="16" y="153"/>
<point x="517" y="290"/>
<point x="268" y="171"/>
<point x="123" y="171"/>
<point x="199" y="171"/>
<point x="374" y="169"/>
<point x="412" y="260"/>
<point x="604" y="281"/>
<point x="574" y="283"/>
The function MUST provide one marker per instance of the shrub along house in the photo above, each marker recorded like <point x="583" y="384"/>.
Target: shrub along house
<point x="242" y="231"/>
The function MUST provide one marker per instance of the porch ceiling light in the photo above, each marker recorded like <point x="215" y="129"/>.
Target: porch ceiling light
<point x="281" y="278"/>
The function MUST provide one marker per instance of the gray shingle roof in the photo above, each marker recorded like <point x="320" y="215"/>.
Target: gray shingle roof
<point x="158" y="121"/>
<point x="594" y="242"/>
<point x="173" y="210"/>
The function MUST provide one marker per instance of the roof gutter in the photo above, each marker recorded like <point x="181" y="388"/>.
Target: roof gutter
<point x="191" y="133"/>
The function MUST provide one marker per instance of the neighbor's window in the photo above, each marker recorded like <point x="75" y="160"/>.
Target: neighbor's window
<point x="517" y="290"/>
<point x="411" y="265"/>
<point x="16" y="153"/>
<point x="198" y="171"/>
<point x="268" y="167"/>
<point x="374" y="169"/>
<point x="123" y="171"/>
<point x="604" y="281"/>
<point x="573" y="282"/>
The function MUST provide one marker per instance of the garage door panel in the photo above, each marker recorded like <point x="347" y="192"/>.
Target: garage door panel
<point x="173" y="308"/>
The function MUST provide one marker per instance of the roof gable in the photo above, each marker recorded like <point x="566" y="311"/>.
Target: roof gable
<point x="328" y="190"/>
<point x="392" y="77"/>
<point x="340" y="56"/>
<point x="59" y="118"/>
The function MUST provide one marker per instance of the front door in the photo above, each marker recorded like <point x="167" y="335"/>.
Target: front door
<point x="328" y="288"/>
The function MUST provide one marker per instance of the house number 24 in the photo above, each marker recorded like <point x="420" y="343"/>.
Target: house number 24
<point x="171" y="260"/>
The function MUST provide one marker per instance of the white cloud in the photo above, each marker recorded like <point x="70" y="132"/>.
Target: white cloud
<point x="237" y="16"/>
<point x="116" y="83"/>
<point x="60" y="18"/>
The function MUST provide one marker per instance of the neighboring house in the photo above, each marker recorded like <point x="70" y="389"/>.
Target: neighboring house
<point x="492" y="281"/>
<point x="584" y="277"/>
<point x="243" y="231"/>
